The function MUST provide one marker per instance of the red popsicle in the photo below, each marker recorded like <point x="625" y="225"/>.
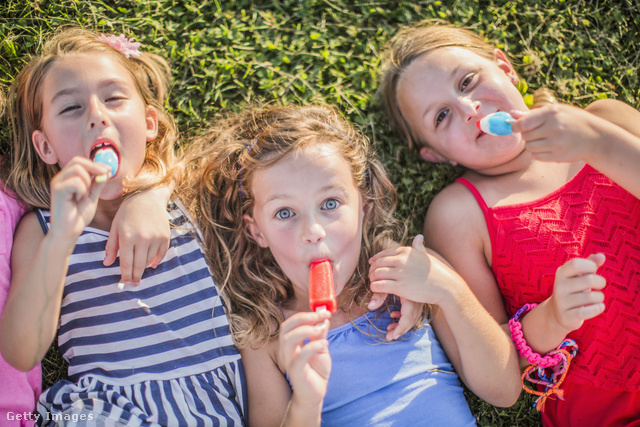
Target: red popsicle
<point x="321" y="294"/>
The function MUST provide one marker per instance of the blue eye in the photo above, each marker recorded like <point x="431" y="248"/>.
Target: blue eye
<point x="330" y="204"/>
<point x="284" y="213"/>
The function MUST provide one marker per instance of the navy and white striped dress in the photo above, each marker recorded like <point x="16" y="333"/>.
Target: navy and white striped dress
<point x="157" y="354"/>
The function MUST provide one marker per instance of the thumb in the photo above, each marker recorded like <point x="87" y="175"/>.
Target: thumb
<point x="418" y="244"/>
<point x="598" y="258"/>
<point x="96" y="187"/>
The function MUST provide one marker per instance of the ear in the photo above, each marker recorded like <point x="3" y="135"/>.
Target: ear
<point x="151" y="118"/>
<point x="43" y="148"/>
<point x="254" y="230"/>
<point x="505" y="65"/>
<point x="430" y="155"/>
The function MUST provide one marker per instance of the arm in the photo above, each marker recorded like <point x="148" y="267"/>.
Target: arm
<point x="476" y="345"/>
<point x="140" y="232"/>
<point x="271" y="400"/>
<point x="608" y="139"/>
<point x="39" y="264"/>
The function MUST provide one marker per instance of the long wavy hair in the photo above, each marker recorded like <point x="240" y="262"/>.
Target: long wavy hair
<point x="221" y="165"/>
<point x="412" y="42"/>
<point x="29" y="177"/>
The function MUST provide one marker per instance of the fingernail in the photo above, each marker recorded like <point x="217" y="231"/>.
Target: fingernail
<point x="102" y="178"/>
<point x="370" y="261"/>
<point x="121" y="285"/>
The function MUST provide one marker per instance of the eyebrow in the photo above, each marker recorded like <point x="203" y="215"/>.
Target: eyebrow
<point x="323" y="189"/>
<point x="101" y="85"/>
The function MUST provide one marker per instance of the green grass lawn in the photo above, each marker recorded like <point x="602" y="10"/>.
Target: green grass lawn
<point x="226" y="54"/>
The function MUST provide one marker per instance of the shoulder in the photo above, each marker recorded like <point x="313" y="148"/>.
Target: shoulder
<point x="617" y="112"/>
<point x="454" y="209"/>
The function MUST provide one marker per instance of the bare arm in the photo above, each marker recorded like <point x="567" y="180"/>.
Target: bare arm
<point x="30" y="318"/>
<point x="271" y="399"/>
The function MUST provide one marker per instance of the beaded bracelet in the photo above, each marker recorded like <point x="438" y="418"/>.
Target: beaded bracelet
<point x="558" y="360"/>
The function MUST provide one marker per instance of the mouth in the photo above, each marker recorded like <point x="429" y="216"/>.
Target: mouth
<point x="106" y="153"/>
<point x="320" y="259"/>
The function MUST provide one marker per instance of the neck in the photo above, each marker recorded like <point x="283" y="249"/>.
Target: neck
<point x="105" y="213"/>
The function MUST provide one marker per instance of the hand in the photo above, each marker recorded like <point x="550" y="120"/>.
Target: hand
<point x="140" y="232"/>
<point x="412" y="273"/>
<point x="308" y="365"/>
<point x="577" y="292"/>
<point x="74" y="196"/>
<point x="560" y="132"/>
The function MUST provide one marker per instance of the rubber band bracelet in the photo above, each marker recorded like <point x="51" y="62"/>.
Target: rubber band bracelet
<point x="551" y="359"/>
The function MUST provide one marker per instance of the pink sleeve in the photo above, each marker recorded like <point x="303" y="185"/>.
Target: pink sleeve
<point x="19" y="391"/>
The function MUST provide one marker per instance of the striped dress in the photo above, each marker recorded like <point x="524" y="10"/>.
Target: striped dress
<point x="157" y="354"/>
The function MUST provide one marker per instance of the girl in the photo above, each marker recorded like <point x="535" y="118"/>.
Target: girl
<point x="547" y="215"/>
<point x="283" y="187"/>
<point x="158" y="353"/>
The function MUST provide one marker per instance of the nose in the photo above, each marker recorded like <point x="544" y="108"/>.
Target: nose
<point x="97" y="115"/>
<point x="314" y="231"/>
<point x="468" y="109"/>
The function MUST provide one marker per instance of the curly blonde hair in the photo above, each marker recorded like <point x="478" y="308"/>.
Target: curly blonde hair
<point x="221" y="165"/>
<point x="30" y="177"/>
<point x="412" y="42"/>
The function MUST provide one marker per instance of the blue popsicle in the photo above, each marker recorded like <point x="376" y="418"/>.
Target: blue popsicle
<point x="496" y="124"/>
<point x="109" y="157"/>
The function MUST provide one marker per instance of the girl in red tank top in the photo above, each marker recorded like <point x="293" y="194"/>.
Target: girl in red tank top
<point x="545" y="222"/>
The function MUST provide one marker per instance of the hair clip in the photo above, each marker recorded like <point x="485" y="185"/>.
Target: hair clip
<point x="126" y="46"/>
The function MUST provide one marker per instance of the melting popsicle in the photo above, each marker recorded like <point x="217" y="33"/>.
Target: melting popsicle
<point x="496" y="124"/>
<point x="107" y="155"/>
<point x="321" y="296"/>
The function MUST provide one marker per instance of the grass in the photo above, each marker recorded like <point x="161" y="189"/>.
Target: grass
<point x="227" y="54"/>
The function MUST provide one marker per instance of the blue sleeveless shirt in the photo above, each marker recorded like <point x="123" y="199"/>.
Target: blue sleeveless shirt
<point x="408" y="382"/>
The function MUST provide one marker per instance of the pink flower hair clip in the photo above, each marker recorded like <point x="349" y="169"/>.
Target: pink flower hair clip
<point x="127" y="46"/>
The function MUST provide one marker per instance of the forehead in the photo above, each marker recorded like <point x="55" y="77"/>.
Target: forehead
<point x="439" y="65"/>
<point x="317" y="163"/>
<point x="85" y="69"/>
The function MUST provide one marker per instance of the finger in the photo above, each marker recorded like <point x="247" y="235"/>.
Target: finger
<point x="384" y="287"/>
<point x="404" y="325"/>
<point x="418" y="243"/>
<point x="576" y="267"/>
<point x="304" y="318"/>
<point x="590" y="311"/>
<point x="111" y="250"/>
<point x="139" y="264"/>
<point x="305" y="355"/>
<point x="160" y="254"/>
<point x="585" y="298"/>
<point x="96" y="188"/>
<point x="383" y="273"/>
<point x="526" y="121"/>
<point x="377" y="299"/>
<point x="395" y="314"/>
<point x="598" y="258"/>
<point x="389" y="252"/>
<point x="126" y="262"/>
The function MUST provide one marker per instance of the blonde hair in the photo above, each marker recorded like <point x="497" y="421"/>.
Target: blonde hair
<point x="222" y="164"/>
<point x="412" y="42"/>
<point x="30" y="176"/>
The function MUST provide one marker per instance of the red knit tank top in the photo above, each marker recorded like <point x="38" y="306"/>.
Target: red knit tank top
<point x="529" y="241"/>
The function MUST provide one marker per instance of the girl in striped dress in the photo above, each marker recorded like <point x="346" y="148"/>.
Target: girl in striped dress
<point x="160" y="352"/>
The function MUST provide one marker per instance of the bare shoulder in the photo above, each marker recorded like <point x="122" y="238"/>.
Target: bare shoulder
<point x="617" y="112"/>
<point x="268" y="390"/>
<point x="454" y="210"/>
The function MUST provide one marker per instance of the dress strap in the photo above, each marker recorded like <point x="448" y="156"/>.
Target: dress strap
<point x="485" y="211"/>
